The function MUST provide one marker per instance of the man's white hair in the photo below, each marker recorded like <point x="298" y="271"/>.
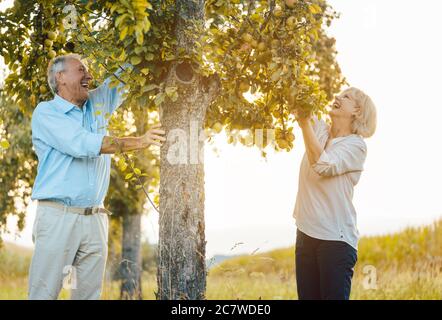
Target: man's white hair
<point x="57" y="65"/>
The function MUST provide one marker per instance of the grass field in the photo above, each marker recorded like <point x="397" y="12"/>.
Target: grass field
<point x="405" y="265"/>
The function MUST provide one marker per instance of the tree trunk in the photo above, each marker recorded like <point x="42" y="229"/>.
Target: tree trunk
<point x="181" y="265"/>
<point x="130" y="268"/>
<point x="113" y="257"/>
<point x="181" y="247"/>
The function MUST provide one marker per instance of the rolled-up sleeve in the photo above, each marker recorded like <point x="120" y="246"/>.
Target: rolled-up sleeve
<point x="64" y="134"/>
<point x="347" y="156"/>
<point x="319" y="126"/>
<point x="113" y="97"/>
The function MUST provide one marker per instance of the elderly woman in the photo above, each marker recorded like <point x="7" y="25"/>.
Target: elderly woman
<point x="327" y="236"/>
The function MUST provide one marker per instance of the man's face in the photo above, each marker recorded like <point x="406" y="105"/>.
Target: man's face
<point x="74" y="80"/>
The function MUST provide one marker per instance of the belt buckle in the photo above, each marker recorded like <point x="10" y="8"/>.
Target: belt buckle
<point x="88" y="211"/>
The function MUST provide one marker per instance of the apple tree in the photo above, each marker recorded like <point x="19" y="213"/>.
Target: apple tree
<point x="244" y="66"/>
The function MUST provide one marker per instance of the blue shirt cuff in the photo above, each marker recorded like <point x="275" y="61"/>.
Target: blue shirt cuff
<point x="93" y="144"/>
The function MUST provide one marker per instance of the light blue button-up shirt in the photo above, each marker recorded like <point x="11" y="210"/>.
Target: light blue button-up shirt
<point x="67" y="141"/>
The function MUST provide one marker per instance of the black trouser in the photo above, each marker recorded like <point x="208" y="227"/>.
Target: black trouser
<point x="324" y="268"/>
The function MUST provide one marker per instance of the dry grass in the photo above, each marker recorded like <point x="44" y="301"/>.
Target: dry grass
<point x="405" y="265"/>
<point x="408" y="265"/>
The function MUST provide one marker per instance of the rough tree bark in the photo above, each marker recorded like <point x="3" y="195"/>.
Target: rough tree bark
<point x="181" y="249"/>
<point x="130" y="268"/>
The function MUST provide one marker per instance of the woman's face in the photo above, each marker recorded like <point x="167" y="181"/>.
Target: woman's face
<point x="344" y="106"/>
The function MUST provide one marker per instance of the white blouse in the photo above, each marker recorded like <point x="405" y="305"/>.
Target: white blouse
<point x="324" y="208"/>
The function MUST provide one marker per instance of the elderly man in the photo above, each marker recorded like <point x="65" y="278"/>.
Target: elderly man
<point x="69" y="136"/>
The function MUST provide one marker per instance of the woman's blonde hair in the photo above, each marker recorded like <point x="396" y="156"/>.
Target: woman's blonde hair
<point x="364" y="124"/>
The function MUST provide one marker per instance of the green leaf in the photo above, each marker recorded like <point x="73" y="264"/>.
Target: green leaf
<point x="149" y="56"/>
<point x="138" y="50"/>
<point x="140" y="37"/>
<point x="128" y="176"/>
<point x="137" y="171"/>
<point x="142" y="81"/>
<point x="123" y="33"/>
<point x="315" y="9"/>
<point x="114" y="7"/>
<point x="276" y="75"/>
<point x="135" y="60"/>
<point x="174" y="96"/>
<point x="120" y="19"/>
<point x="170" y="91"/>
<point x="4" y="144"/>
<point x="122" y="56"/>
<point x="149" y="87"/>
<point x="159" y="99"/>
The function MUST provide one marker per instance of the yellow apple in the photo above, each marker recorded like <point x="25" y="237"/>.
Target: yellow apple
<point x="244" y="86"/>
<point x="290" y="3"/>
<point x="291" y="21"/>
<point x="277" y="12"/>
<point x="290" y="137"/>
<point x="283" y="144"/>
<point x="52" y="35"/>
<point x="245" y="47"/>
<point x="52" y="54"/>
<point x="261" y="46"/>
<point x="275" y="43"/>
<point x="48" y="43"/>
<point x="217" y="127"/>
<point x="247" y="37"/>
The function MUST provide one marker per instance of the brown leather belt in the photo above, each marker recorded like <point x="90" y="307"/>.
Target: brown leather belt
<point x="78" y="210"/>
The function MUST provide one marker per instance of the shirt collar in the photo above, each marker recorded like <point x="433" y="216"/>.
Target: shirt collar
<point x="67" y="106"/>
<point x="337" y="139"/>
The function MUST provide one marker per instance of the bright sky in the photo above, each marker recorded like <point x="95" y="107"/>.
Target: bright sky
<point x="390" y="49"/>
<point x="4" y="4"/>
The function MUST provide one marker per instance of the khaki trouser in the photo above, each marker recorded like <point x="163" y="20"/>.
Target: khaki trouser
<point x="70" y="252"/>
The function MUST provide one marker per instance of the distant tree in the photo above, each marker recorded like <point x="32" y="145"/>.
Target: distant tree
<point x="17" y="163"/>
